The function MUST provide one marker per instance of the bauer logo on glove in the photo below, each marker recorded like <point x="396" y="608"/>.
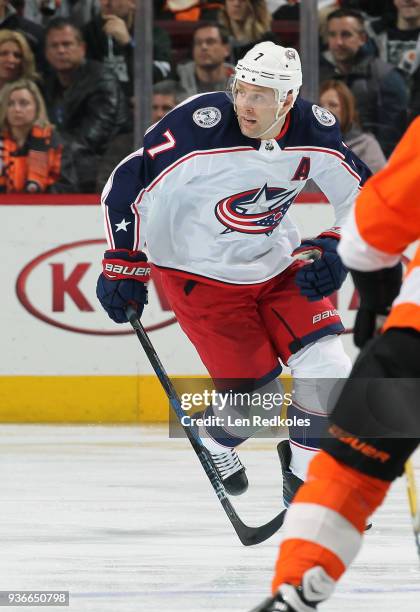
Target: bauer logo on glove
<point x="123" y="282"/>
<point x="115" y="269"/>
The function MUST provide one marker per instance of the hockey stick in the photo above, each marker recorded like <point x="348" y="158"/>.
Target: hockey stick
<point x="247" y="535"/>
<point x="413" y="502"/>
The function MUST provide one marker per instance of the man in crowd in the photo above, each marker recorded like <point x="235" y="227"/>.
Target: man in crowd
<point x="380" y="90"/>
<point x="41" y="11"/>
<point x="208" y="71"/>
<point x="166" y="95"/>
<point x="110" y="39"/>
<point x="396" y="36"/>
<point x="84" y="99"/>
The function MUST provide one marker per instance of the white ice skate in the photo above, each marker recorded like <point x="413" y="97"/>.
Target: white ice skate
<point x="230" y="470"/>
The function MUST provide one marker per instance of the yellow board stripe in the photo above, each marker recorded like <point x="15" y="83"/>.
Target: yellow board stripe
<point x="91" y="399"/>
<point x="82" y="399"/>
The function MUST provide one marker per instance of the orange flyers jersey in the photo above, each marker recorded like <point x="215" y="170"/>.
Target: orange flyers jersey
<point x="37" y="162"/>
<point x="385" y="221"/>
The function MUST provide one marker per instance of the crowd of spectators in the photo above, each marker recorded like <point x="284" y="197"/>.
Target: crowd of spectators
<point x="67" y="83"/>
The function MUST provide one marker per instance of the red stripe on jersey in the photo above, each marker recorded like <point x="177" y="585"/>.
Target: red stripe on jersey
<point x="109" y="228"/>
<point x="307" y="410"/>
<point x="352" y="172"/>
<point x="137" y="221"/>
<point x="320" y="149"/>
<point x="196" y="153"/>
<point x="309" y="448"/>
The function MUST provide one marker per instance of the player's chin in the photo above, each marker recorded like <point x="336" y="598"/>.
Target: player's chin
<point x="248" y="128"/>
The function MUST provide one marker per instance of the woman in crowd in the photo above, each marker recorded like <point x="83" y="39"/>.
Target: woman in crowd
<point x="16" y="58"/>
<point x="31" y="156"/>
<point x="337" y="98"/>
<point x="248" y="22"/>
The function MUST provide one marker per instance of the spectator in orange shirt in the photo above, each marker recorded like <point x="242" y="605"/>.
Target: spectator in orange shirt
<point x="30" y="151"/>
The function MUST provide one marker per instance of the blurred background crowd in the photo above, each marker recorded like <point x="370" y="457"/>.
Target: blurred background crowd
<point x="67" y="84"/>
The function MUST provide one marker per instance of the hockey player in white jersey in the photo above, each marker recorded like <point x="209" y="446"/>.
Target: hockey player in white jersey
<point x="209" y="193"/>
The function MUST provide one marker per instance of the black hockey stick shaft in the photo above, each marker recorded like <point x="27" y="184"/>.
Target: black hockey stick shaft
<point x="247" y="535"/>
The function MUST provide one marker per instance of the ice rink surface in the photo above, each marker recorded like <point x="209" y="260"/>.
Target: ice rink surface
<point x="125" y="519"/>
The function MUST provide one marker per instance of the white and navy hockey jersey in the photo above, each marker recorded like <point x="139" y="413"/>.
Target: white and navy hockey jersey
<point x="209" y="201"/>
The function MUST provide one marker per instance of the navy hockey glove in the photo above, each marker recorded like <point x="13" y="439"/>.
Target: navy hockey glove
<point x="377" y="291"/>
<point x="122" y="282"/>
<point x="325" y="274"/>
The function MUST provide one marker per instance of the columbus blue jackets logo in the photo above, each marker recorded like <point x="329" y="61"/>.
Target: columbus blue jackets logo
<point x="257" y="211"/>
<point x="323" y="115"/>
<point x="207" y="117"/>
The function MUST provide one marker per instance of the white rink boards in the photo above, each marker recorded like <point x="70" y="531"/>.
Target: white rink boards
<point x="125" y="519"/>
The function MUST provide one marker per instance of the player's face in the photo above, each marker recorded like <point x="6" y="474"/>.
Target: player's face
<point x="345" y="37"/>
<point x="209" y="51"/>
<point x="10" y="61"/>
<point x="256" y="108"/>
<point x="161" y="105"/>
<point x="331" y="101"/>
<point x="21" y="109"/>
<point x="408" y="9"/>
<point x="63" y="49"/>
